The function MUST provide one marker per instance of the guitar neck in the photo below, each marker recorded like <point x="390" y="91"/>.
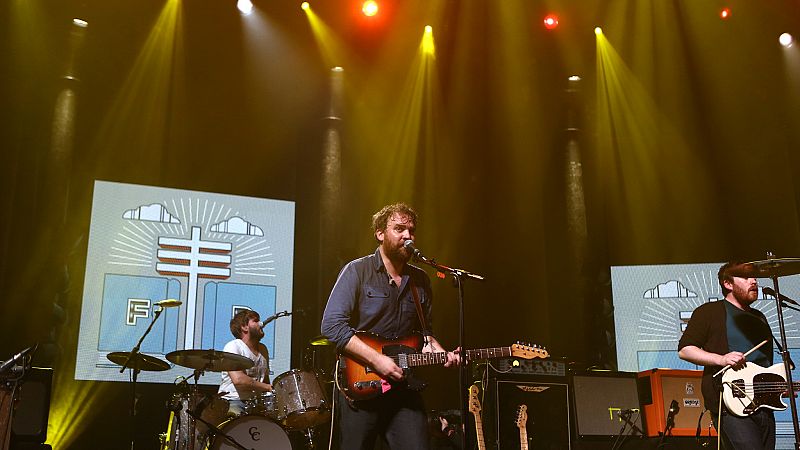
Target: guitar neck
<point x="479" y="431"/>
<point x="523" y="439"/>
<point x="438" y="358"/>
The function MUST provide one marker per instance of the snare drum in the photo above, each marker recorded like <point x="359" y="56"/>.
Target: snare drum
<point x="252" y="432"/>
<point x="301" y="401"/>
<point x="261" y="404"/>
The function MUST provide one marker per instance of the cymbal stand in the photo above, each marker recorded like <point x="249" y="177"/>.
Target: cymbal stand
<point x="309" y="433"/>
<point x="787" y="366"/>
<point x="135" y="374"/>
<point x="216" y="430"/>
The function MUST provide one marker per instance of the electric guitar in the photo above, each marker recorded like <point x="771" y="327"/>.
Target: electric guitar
<point x="753" y="387"/>
<point x="359" y="382"/>
<point x="475" y="409"/>
<point x="522" y="421"/>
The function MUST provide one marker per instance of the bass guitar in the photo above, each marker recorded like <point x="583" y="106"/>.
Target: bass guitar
<point x="359" y="382"/>
<point x="753" y="387"/>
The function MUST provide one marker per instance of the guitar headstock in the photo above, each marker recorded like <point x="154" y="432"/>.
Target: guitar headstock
<point x="474" y="401"/>
<point x="522" y="415"/>
<point x="528" y="351"/>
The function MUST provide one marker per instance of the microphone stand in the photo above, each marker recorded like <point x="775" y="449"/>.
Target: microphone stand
<point x="457" y="275"/>
<point x="787" y="367"/>
<point x="135" y="373"/>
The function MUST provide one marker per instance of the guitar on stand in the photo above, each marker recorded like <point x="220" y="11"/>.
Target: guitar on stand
<point x="522" y="424"/>
<point x="475" y="409"/>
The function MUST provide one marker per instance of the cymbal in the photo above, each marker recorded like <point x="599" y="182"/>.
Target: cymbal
<point x="210" y="360"/>
<point x="138" y="361"/>
<point x="768" y="268"/>
<point x="320" y="340"/>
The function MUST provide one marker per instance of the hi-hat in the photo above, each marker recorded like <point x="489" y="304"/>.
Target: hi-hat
<point x="210" y="360"/>
<point x="138" y="361"/>
<point x="320" y="340"/>
<point x="768" y="268"/>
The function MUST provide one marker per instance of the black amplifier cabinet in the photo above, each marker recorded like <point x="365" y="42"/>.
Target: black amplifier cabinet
<point x="604" y="402"/>
<point x="548" y="414"/>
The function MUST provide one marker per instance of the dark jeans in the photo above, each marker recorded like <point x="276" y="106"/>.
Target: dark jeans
<point x="398" y="416"/>
<point x="754" y="432"/>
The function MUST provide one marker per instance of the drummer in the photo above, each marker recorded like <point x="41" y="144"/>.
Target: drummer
<point x="239" y="385"/>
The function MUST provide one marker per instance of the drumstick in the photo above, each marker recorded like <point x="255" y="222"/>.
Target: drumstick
<point x="745" y="355"/>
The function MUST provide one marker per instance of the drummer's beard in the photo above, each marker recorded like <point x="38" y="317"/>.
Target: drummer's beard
<point x="257" y="333"/>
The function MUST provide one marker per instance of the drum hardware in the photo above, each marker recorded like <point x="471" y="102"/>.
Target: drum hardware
<point x="194" y="415"/>
<point x="215" y="432"/>
<point x="138" y="362"/>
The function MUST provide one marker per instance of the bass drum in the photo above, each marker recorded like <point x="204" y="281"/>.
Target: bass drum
<point x="252" y="432"/>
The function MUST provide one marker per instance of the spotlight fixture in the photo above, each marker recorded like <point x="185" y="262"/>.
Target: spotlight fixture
<point x="725" y="13"/>
<point x="598" y="31"/>
<point x="80" y="23"/>
<point x="244" y="6"/>
<point x="551" y="21"/>
<point x="305" y="6"/>
<point x="786" y="40"/>
<point x="369" y="8"/>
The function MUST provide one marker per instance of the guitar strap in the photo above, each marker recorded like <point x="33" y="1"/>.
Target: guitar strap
<point x="420" y="314"/>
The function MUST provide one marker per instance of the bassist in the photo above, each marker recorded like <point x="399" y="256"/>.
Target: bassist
<point x="383" y="294"/>
<point x="718" y="334"/>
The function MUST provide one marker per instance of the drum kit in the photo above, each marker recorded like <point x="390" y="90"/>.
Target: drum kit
<point x="297" y="404"/>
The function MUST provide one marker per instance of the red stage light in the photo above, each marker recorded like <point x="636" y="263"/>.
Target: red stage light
<point x="369" y="8"/>
<point x="551" y="21"/>
<point x="725" y="13"/>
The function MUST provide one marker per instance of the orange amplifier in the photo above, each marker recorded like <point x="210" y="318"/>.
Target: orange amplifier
<point x="657" y="390"/>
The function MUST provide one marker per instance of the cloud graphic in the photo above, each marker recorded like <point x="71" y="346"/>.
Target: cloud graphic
<point x="237" y="225"/>
<point x="151" y="213"/>
<point x="670" y="289"/>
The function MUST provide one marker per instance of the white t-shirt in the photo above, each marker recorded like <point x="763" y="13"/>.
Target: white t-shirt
<point x="259" y="371"/>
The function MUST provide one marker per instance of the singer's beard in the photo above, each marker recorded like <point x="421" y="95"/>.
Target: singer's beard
<point x="394" y="253"/>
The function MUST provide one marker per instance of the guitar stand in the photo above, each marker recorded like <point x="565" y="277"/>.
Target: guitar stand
<point x="626" y="421"/>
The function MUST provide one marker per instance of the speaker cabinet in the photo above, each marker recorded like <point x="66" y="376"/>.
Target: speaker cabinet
<point x="660" y="387"/>
<point x="33" y="408"/>
<point x="548" y="420"/>
<point x="605" y="402"/>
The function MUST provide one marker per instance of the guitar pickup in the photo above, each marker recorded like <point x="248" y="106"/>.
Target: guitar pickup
<point x="367" y="384"/>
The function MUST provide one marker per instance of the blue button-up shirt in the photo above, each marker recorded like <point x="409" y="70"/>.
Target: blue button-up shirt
<point x="365" y="298"/>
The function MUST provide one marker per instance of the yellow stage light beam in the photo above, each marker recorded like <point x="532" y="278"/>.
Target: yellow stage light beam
<point x="333" y="53"/>
<point x="428" y="45"/>
<point x="638" y="143"/>
<point x="137" y="121"/>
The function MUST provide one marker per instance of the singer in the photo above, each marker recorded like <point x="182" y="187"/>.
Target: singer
<point x="240" y="385"/>
<point x="718" y="334"/>
<point x="380" y="293"/>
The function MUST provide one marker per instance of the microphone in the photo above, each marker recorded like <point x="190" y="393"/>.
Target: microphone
<point x="769" y="291"/>
<point x="7" y="365"/>
<point x="269" y="319"/>
<point x="409" y="245"/>
<point x="168" y="303"/>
